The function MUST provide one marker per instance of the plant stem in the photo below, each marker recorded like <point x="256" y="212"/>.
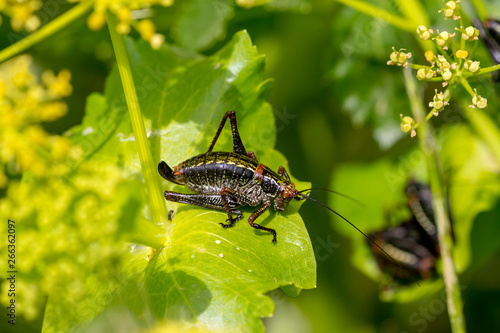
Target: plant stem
<point x="484" y="70"/>
<point x="467" y="87"/>
<point x="47" y="30"/>
<point x="415" y="12"/>
<point x="428" y="143"/>
<point x="156" y="201"/>
<point x="146" y="233"/>
<point x="380" y="13"/>
<point x="480" y="9"/>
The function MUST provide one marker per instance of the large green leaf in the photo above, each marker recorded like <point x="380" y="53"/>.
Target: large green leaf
<point x="201" y="23"/>
<point x="205" y="276"/>
<point x="473" y="187"/>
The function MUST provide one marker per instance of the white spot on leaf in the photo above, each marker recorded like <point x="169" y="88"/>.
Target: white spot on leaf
<point x="87" y="131"/>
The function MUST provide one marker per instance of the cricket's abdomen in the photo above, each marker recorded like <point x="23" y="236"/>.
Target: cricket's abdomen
<point x="210" y="172"/>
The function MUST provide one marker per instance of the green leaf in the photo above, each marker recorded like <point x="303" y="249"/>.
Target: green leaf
<point x="232" y="269"/>
<point x="205" y="275"/>
<point x="473" y="187"/>
<point x="201" y="23"/>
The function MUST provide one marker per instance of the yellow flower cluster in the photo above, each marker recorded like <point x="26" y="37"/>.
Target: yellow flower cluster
<point x="449" y="65"/>
<point x="399" y="58"/>
<point x="24" y="103"/>
<point x="70" y="217"/>
<point x="69" y="242"/>
<point x="127" y="11"/>
<point x="22" y="14"/>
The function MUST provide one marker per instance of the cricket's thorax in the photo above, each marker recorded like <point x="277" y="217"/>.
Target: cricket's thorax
<point x="212" y="171"/>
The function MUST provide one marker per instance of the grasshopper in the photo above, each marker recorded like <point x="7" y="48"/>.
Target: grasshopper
<point x="227" y="180"/>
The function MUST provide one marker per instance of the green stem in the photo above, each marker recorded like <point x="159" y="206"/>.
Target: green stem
<point x="380" y="13"/>
<point x="481" y="10"/>
<point x="484" y="70"/>
<point x="47" y="30"/>
<point x="156" y="201"/>
<point x="467" y="87"/>
<point x="428" y="143"/>
<point x="146" y="233"/>
<point x="416" y="66"/>
<point x="415" y="12"/>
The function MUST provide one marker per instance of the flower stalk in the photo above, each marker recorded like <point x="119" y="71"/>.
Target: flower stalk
<point x="428" y="143"/>
<point x="156" y="201"/>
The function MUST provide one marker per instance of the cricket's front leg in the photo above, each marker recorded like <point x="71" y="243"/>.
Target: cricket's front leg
<point x="211" y="201"/>
<point x="256" y="214"/>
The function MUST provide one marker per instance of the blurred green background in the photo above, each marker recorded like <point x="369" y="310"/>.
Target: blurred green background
<point x="336" y="102"/>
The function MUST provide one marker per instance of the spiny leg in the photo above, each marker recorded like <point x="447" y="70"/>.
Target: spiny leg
<point x="256" y="214"/>
<point x="282" y="172"/>
<point x="211" y="201"/>
<point x="238" y="146"/>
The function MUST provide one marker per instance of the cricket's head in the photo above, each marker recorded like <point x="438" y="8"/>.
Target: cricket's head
<point x="286" y="192"/>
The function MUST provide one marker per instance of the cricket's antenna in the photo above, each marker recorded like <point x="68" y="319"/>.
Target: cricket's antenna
<point x="335" y="192"/>
<point x="303" y="196"/>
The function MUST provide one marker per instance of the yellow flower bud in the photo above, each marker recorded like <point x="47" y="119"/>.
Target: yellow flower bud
<point x="96" y="21"/>
<point x="423" y="32"/>
<point x="123" y="14"/>
<point x="429" y="55"/>
<point x="478" y="101"/>
<point x="474" y="66"/>
<point x="157" y="41"/>
<point x="407" y="124"/>
<point x="482" y="103"/>
<point x="461" y="54"/>
<point x="451" y="10"/>
<point x="123" y="28"/>
<point x="446" y="75"/>
<point x="421" y="74"/>
<point x="399" y="58"/>
<point x="438" y="102"/>
<point x="146" y="29"/>
<point x="32" y="23"/>
<point x="394" y="57"/>
<point x="469" y="31"/>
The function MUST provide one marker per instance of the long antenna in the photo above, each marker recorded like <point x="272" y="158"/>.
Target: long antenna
<point x="335" y="192"/>
<point x="333" y="211"/>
